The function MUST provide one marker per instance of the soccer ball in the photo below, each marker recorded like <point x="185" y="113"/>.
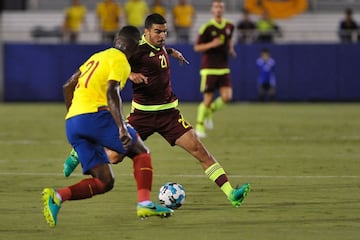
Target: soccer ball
<point x="172" y="195"/>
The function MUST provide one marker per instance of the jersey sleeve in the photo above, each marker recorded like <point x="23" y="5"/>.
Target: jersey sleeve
<point x="120" y="70"/>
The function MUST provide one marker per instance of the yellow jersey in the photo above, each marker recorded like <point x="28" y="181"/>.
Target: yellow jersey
<point x="109" y="14"/>
<point x="159" y="10"/>
<point x="90" y="92"/>
<point x="75" y="15"/>
<point x="136" y="12"/>
<point x="183" y="15"/>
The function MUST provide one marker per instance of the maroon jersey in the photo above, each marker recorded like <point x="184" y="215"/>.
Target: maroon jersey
<point x="154" y="105"/>
<point x="153" y="63"/>
<point x="216" y="57"/>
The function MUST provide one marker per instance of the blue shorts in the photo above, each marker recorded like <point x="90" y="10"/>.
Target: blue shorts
<point x="90" y="133"/>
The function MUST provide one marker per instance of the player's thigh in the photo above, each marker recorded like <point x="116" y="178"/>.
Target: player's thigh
<point x="172" y="125"/>
<point x="143" y="122"/>
<point x="90" y="154"/>
<point x="209" y="83"/>
<point x="110" y="138"/>
<point x="224" y="81"/>
<point x="81" y="132"/>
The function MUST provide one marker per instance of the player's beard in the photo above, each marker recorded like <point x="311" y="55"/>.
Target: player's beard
<point x="160" y="43"/>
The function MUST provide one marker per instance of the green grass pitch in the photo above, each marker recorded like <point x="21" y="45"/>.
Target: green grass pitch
<point x="302" y="160"/>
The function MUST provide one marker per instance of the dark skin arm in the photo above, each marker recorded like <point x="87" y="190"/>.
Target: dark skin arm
<point x="115" y="108"/>
<point x="69" y="87"/>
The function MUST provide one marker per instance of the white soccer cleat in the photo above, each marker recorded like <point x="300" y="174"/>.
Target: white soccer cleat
<point x="209" y="124"/>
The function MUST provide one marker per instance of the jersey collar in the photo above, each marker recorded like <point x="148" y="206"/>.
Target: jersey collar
<point x="219" y="25"/>
<point x="143" y="41"/>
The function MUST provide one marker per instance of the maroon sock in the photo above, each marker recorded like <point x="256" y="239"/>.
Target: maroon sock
<point x="143" y="175"/>
<point x="86" y="188"/>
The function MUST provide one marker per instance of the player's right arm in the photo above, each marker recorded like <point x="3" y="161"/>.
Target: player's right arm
<point x="69" y="87"/>
<point x="202" y="47"/>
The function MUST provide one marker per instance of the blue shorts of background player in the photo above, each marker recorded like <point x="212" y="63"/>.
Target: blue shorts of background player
<point x="90" y="133"/>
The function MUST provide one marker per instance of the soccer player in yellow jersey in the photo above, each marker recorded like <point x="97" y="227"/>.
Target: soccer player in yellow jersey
<point x="108" y="13"/>
<point x="95" y="120"/>
<point x="135" y="12"/>
<point x="74" y="18"/>
<point x="183" y="17"/>
<point x="158" y="7"/>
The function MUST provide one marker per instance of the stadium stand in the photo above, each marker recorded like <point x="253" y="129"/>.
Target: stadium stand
<point x="308" y="27"/>
<point x="318" y="24"/>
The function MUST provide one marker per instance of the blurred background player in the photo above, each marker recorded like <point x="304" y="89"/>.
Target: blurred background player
<point x="266" y="79"/>
<point x="267" y="29"/>
<point x="95" y="120"/>
<point x="348" y="28"/>
<point x="108" y="13"/>
<point x="136" y="12"/>
<point x="183" y="14"/>
<point x="215" y="43"/>
<point x="155" y="108"/>
<point x="75" y="17"/>
<point x="158" y="7"/>
<point x="246" y="28"/>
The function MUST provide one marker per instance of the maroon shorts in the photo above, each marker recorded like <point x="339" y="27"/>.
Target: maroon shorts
<point x="169" y="123"/>
<point x="214" y="82"/>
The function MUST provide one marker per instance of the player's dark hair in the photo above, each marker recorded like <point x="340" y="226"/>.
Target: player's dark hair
<point x="265" y="50"/>
<point x="129" y="32"/>
<point x="154" y="18"/>
<point x="127" y="40"/>
<point x="348" y="11"/>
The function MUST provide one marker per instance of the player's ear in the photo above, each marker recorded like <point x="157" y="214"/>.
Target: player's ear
<point x="146" y="32"/>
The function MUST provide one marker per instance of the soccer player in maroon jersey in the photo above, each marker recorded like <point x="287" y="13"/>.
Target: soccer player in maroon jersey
<point x="215" y="43"/>
<point x="154" y="106"/>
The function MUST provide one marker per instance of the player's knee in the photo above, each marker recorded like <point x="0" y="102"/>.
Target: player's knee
<point x="138" y="148"/>
<point x="226" y="98"/>
<point x="114" y="157"/>
<point x="101" y="185"/>
<point x="108" y="184"/>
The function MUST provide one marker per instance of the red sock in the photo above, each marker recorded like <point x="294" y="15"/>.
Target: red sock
<point x="86" y="188"/>
<point x="143" y="175"/>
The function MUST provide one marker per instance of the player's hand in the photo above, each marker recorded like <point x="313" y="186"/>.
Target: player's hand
<point x="178" y="55"/>
<point x="232" y="53"/>
<point x="125" y="138"/>
<point x="138" y="78"/>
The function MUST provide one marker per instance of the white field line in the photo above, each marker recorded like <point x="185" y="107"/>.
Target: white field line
<point x="183" y="175"/>
<point x="251" y="138"/>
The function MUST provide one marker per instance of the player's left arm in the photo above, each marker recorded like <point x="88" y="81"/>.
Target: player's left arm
<point x="116" y="110"/>
<point x="232" y="51"/>
<point x="69" y="87"/>
<point x="177" y="54"/>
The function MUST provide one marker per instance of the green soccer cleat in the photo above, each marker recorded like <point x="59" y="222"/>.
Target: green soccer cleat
<point x="52" y="205"/>
<point x="153" y="209"/>
<point x="71" y="163"/>
<point x="238" y="194"/>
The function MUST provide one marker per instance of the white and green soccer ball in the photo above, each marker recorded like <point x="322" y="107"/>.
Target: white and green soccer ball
<point x="172" y="195"/>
